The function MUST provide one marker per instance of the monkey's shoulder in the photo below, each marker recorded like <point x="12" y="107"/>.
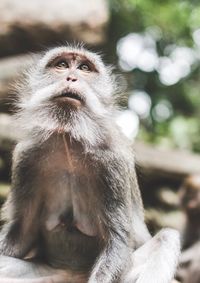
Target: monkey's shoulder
<point x="113" y="153"/>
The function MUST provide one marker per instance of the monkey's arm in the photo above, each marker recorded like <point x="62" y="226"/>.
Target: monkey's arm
<point x="20" y="231"/>
<point x="115" y="183"/>
<point x="140" y="230"/>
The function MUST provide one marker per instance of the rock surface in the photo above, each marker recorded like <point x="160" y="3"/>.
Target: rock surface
<point x="29" y="25"/>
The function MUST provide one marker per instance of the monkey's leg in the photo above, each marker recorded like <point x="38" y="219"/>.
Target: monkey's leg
<point x="14" y="270"/>
<point x="155" y="261"/>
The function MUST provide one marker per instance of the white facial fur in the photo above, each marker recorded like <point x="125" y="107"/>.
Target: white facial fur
<point x="43" y="83"/>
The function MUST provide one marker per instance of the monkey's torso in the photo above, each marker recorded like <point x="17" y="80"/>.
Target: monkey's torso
<point x="65" y="183"/>
<point x="69" y="207"/>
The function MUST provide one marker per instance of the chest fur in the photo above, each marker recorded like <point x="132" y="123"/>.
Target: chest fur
<point x="69" y="188"/>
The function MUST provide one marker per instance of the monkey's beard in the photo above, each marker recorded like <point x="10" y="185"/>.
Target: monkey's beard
<point x="83" y="125"/>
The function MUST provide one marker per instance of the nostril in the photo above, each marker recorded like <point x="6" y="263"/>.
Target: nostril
<point x="71" y="79"/>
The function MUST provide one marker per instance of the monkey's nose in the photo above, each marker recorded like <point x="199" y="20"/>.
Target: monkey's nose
<point x="71" y="78"/>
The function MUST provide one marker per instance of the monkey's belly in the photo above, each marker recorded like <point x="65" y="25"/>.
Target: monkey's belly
<point x="70" y="249"/>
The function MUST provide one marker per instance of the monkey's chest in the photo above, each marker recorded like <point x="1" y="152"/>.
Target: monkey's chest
<point x="70" y="204"/>
<point x="70" y="229"/>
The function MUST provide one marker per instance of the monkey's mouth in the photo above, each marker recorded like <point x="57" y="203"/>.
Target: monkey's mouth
<point x="69" y="97"/>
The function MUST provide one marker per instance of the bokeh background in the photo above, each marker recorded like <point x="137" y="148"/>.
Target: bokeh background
<point x="155" y="45"/>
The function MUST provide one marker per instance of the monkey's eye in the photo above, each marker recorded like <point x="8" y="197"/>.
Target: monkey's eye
<point x="84" y="67"/>
<point x="62" y="65"/>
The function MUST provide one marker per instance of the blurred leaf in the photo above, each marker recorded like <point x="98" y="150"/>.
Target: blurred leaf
<point x="176" y="21"/>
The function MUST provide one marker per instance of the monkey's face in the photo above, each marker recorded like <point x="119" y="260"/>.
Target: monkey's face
<point x="68" y="88"/>
<point x="75" y="76"/>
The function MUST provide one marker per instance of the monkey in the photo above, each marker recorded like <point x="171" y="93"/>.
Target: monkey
<point x="74" y="201"/>
<point x="190" y="258"/>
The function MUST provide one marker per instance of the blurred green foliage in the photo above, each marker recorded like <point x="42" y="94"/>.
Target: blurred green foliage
<point x="176" y="22"/>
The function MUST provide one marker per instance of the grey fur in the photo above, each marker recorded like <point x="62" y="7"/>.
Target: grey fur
<point x="75" y="196"/>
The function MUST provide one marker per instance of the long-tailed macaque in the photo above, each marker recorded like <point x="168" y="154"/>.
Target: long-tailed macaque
<point x="75" y="199"/>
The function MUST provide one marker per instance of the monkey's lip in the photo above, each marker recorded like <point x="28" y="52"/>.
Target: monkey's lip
<point x="69" y="97"/>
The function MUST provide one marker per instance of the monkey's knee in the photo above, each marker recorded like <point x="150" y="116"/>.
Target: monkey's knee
<point x="156" y="260"/>
<point x="168" y="233"/>
<point x="168" y="236"/>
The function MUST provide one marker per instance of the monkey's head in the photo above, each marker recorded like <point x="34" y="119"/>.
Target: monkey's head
<point x="68" y="89"/>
